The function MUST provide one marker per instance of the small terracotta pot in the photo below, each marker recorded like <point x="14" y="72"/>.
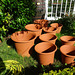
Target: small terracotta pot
<point x="46" y="52"/>
<point x="48" y="37"/>
<point x="24" y="41"/>
<point x="58" y="26"/>
<point x="50" y="30"/>
<point x="42" y="22"/>
<point x="36" y="28"/>
<point x="67" y="40"/>
<point x="68" y="54"/>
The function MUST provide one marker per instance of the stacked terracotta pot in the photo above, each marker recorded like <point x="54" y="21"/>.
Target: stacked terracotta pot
<point x="68" y="49"/>
<point x="24" y="40"/>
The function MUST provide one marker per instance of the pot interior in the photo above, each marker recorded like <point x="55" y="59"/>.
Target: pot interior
<point x="68" y="50"/>
<point x="47" y="37"/>
<point x="67" y="38"/>
<point x="45" y="47"/>
<point x="23" y="36"/>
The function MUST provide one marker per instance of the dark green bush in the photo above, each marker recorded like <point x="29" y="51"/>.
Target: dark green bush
<point x="68" y="23"/>
<point x="65" y="71"/>
<point x="16" y="14"/>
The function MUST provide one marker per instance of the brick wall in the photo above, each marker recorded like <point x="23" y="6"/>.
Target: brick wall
<point x="40" y="11"/>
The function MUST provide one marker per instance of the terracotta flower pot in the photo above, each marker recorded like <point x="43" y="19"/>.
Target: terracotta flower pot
<point x="46" y="52"/>
<point x="68" y="54"/>
<point x="58" y="26"/>
<point x="50" y="30"/>
<point x="36" y="28"/>
<point x="48" y="37"/>
<point x="42" y="22"/>
<point x="24" y="41"/>
<point x="67" y="40"/>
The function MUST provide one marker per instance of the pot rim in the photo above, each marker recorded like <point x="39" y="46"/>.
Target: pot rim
<point x="49" y="52"/>
<point x="23" y="41"/>
<point x="33" y="25"/>
<point x="66" y="40"/>
<point x="46" y="35"/>
<point x="64" y="53"/>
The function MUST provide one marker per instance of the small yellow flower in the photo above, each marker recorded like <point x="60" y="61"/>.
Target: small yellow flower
<point x="8" y="46"/>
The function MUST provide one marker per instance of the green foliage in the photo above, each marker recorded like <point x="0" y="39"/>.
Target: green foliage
<point x="65" y="71"/>
<point x="68" y="23"/>
<point x="12" y="66"/>
<point x="2" y="32"/>
<point x="16" y="14"/>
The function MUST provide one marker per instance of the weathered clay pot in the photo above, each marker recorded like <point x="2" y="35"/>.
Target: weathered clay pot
<point x="68" y="54"/>
<point x="58" y="26"/>
<point x="50" y="30"/>
<point x="67" y="40"/>
<point x="36" y="28"/>
<point x="48" y="37"/>
<point x="42" y="22"/>
<point x="46" y="52"/>
<point x="24" y="41"/>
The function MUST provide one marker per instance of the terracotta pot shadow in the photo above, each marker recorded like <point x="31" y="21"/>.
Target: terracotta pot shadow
<point x="48" y="37"/>
<point x="68" y="54"/>
<point x="67" y="40"/>
<point x="58" y="26"/>
<point x="24" y="41"/>
<point x="42" y="22"/>
<point x="45" y="52"/>
<point x="36" y="28"/>
<point x="50" y="30"/>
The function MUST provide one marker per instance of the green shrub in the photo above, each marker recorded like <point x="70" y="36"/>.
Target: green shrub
<point x="2" y="32"/>
<point x="65" y="71"/>
<point x="17" y="13"/>
<point x="12" y="67"/>
<point x="68" y="23"/>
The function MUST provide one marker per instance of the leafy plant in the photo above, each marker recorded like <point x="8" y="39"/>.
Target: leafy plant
<point x="2" y="32"/>
<point x="16" y="14"/>
<point x="65" y="71"/>
<point x="12" y="67"/>
<point x="68" y="23"/>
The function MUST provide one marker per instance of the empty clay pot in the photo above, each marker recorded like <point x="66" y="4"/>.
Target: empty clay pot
<point x="50" y="30"/>
<point x="46" y="52"/>
<point x="48" y="37"/>
<point x="67" y="40"/>
<point x="42" y="22"/>
<point x="68" y="54"/>
<point x="36" y="28"/>
<point x="58" y="26"/>
<point x="24" y="41"/>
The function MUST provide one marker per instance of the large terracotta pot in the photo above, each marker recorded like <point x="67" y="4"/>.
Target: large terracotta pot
<point x="58" y="26"/>
<point x="36" y="28"/>
<point x="42" y="22"/>
<point x="46" y="52"/>
<point x="50" y="30"/>
<point x="24" y="42"/>
<point x="48" y="37"/>
<point x="68" y="54"/>
<point x="67" y="40"/>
